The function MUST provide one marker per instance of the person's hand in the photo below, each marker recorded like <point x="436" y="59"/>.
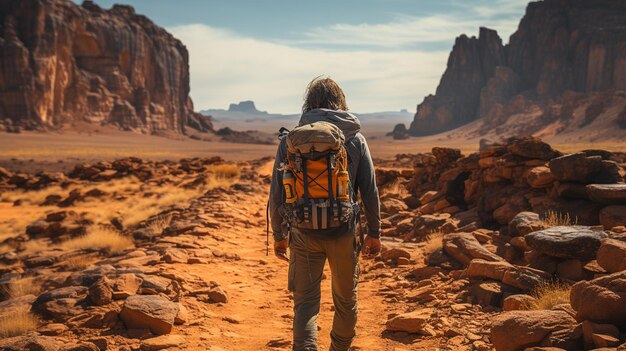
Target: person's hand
<point x="371" y="246"/>
<point x="280" y="249"/>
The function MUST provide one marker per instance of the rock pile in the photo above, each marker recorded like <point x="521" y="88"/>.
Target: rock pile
<point x="488" y="189"/>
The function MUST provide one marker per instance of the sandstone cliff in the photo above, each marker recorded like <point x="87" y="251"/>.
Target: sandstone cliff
<point x="560" y="46"/>
<point x="62" y="63"/>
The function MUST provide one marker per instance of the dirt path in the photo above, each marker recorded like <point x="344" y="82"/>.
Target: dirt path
<point x="258" y="315"/>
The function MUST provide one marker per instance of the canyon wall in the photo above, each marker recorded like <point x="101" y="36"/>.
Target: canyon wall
<point x="61" y="63"/>
<point x="560" y="46"/>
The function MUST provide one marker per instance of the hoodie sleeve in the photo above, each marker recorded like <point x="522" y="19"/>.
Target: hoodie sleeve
<point x="366" y="183"/>
<point x="276" y="194"/>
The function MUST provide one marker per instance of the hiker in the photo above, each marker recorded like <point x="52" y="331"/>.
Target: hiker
<point x="321" y="166"/>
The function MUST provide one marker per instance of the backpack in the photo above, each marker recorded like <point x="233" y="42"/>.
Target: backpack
<point x="317" y="187"/>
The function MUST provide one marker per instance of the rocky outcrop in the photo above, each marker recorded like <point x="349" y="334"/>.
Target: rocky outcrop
<point x="472" y="62"/>
<point x="560" y="45"/>
<point x="62" y="63"/>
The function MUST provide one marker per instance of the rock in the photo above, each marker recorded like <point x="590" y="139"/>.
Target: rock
<point x="125" y="285"/>
<point x="392" y="205"/>
<point x="518" y="330"/>
<point x="608" y="194"/>
<point x="524" y="223"/>
<point x="425" y="272"/>
<point x="567" y="241"/>
<point x="100" y="292"/>
<point x="532" y="148"/>
<point x="613" y="216"/>
<point x="525" y="278"/>
<point x="576" y="168"/>
<point x="412" y="322"/>
<point x="487" y="269"/>
<point x="113" y="66"/>
<point x="601" y="300"/>
<point x="487" y="293"/>
<point x="518" y="302"/>
<point x="395" y="253"/>
<point x="612" y="255"/>
<point x="32" y="342"/>
<point x="571" y="269"/>
<point x="595" y="334"/>
<point x="62" y="303"/>
<point x="464" y="247"/>
<point x="218" y="295"/>
<point x="173" y="255"/>
<point x="163" y="342"/>
<point x="52" y="329"/>
<point x="153" y="312"/>
<point x="539" y="177"/>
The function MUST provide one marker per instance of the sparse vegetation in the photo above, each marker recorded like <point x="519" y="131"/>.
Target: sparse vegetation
<point x="551" y="294"/>
<point x="79" y="262"/>
<point x="20" y="287"/>
<point x="159" y="224"/>
<point x="554" y="219"/>
<point x="433" y="242"/>
<point x="225" y="171"/>
<point x="100" y="237"/>
<point x="17" y="322"/>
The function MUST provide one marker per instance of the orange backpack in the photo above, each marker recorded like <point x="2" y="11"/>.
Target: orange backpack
<point x="318" y="193"/>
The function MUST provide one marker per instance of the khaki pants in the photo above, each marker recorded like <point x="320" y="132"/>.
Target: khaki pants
<point x="307" y="259"/>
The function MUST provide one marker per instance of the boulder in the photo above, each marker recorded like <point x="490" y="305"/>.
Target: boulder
<point x="100" y="292"/>
<point x="532" y="148"/>
<point x="464" y="247"/>
<point x="525" y="278"/>
<point x="613" y="216"/>
<point x="612" y="255"/>
<point x="153" y="312"/>
<point x="487" y="269"/>
<point x="601" y="300"/>
<point x="599" y="335"/>
<point x="539" y="177"/>
<point x="567" y="241"/>
<point x="576" y="168"/>
<point x="518" y="330"/>
<point x="412" y="322"/>
<point x="488" y="293"/>
<point x="519" y="302"/>
<point x="608" y="194"/>
<point x="125" y="285"/>
<point x="524" y="223"/>
<point x="395" y="253"/>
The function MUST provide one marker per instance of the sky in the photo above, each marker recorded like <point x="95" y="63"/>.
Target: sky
<point x="386" y="54"/>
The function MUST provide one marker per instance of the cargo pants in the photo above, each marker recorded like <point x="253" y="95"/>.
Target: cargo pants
<point x="306" y="265"/>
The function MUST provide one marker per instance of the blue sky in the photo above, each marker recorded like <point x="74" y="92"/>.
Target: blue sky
<point x="386" y="54"/>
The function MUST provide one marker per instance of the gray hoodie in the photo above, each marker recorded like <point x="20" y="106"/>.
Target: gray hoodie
<point x="360" y="168"/>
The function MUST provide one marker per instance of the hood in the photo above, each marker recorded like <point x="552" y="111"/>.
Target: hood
<point x="347" y="122"/>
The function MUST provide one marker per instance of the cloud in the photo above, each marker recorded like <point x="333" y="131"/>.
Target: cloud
<point x="412" y="31"/>
<point x="227" y="67"/>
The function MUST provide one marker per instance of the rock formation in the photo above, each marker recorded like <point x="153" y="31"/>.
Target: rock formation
<point x="560" y="46"/>
<point x="62" y="63"/>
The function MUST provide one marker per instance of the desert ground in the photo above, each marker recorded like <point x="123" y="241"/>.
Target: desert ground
<point x="159" y="243"/>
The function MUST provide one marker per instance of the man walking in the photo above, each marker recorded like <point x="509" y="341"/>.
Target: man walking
<point x="320" y="168"/>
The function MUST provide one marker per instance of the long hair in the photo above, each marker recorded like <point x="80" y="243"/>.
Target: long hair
<point x="324" y="92"/>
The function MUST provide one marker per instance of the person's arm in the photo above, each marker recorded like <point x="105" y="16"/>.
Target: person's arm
<point x="366" y="183"/>
<point x="276" y="194"/>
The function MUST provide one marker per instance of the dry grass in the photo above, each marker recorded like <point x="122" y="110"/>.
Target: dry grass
<point x="433" y="242"/>
<point x="99" y="237"/>
<point x="556" y="219"/>
<point x="548" y="295"/>
<point x="225" y="171"/>
<point x="17" y="322"/>
<point x="159" y="224"/>
<point x="79" y="262"/>
<point x="21" y="287"/>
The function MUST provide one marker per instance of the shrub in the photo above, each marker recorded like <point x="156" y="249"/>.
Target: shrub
<point x="17" y="322"/>
<point x="551" y="294"/>
<point x="100" y="237"/>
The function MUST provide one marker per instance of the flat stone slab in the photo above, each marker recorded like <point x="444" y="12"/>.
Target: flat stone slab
<point x="609" y="194"/>
<point x="567" y="241"/>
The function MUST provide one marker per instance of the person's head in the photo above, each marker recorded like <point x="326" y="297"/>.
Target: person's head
<point x="324" y="92"/>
